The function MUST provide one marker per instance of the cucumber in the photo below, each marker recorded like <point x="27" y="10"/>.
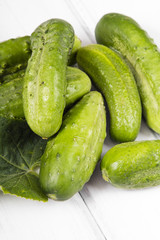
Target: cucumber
<point x="76" y="46"/>
<point x="114" y="79"/>
<point x="126" y="36"/>
<point x="133" y="165"/>
<point x="78" y="84"/>
<point x="14" y="55"/>
<point x="45" y="78"/>
<point x="71" y="156"/>
<point x="12" y="76"/>
<point x="11" y="95"/>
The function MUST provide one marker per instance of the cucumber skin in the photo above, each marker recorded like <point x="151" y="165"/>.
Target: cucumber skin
<point x="11" y="96"/>
<point x="14" y="55"/>
<point x="45" y="78"/>
<point x="76" y="46"/>
<point x="78" y="84"/>
<point x="114" y="79"/>
<point x="133" y="165"/>
<point x="71" y="156"/>
<point x="123" y="34"/>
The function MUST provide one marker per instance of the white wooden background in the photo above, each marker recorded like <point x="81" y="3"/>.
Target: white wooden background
<point x="99" y="211"/>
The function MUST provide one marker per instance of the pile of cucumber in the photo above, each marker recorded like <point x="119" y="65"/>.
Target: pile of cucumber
<point x="38" y="84"/>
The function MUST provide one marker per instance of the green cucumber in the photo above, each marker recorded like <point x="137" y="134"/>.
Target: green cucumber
<point x="78" y="84"/>
<point x="14" y="55"/>
<point x="11" y="95"/>
<point x="126" y="36"/>
<point x="76" y="46"/>
<point x="133" y="165"/>
<point x="45" y="78"/>
<point x="115" y="80"/>
<point x="71" y="156"/>
<point x="12" y="76"/>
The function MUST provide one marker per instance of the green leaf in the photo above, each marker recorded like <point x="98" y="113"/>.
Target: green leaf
<point x="20" y="153"/>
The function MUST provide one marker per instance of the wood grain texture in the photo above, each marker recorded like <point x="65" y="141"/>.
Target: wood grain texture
<point x="99" y="211"/>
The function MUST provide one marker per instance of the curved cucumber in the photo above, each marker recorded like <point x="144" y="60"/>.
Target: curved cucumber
<point x="125" y="35"/>
<point x="45" y="78"/>
<point x="115" y="80"/>
<point x="70" y="158"/>
<point x="14" y="55"/>
<point x="78" y="84"/>
<point x="133" y="165"/>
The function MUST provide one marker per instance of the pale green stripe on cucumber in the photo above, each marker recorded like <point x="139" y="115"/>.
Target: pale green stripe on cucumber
<point x="115" y="80"/>
<point x="71" y="156"/>
<point x="45" y="83"/>
<point x="133" y="165"/>
<point x="78" y="84"/>
<point x="123" y="34"/>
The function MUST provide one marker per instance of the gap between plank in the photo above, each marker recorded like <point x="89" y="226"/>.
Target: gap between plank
<point x="72" y="6"/>
<point x="92" y="216"/>
<point x="75" y="6"/>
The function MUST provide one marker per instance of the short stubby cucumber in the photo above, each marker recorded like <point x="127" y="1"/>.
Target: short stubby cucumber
<point x="115" y="80"/>
<point x="133" y="165"/>
<point x="126" y="36"/>
<point x="14" y="55"/>
<point x="45" y="77"/>
<point x="71" y="156"/>
<point x="78" y="84"/>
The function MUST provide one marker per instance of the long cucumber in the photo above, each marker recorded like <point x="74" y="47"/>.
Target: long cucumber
<point x="71" y="156"/>
<point x="45" y="78"/>
<point x="115" y="80"/>
<point x="123" y="34"/>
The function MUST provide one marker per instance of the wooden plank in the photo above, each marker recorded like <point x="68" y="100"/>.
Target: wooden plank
<point x="122" y="214"/>
<point x="27" y="219"/>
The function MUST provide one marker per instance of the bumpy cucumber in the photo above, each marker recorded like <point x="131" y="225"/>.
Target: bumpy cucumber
<point x="45" y="78"/>
<point x="115" y="80"/>
<point x="70" y="157"/>
<point x="125" y="35"/>
<point x="14" y="55"/>
<point x="78" y="84"/>
<point x="133" y="165"/>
